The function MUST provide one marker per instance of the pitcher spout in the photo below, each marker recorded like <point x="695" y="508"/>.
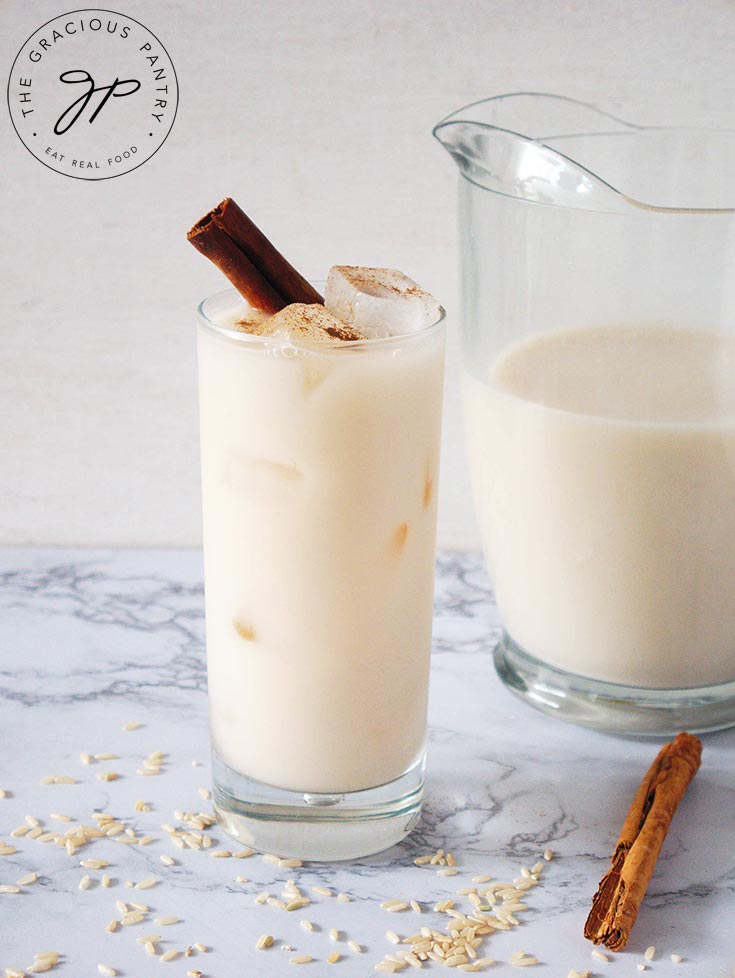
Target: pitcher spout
<point x="509" y="144"/>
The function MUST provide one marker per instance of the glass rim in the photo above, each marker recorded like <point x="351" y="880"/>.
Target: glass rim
<point x="249" y="340"/>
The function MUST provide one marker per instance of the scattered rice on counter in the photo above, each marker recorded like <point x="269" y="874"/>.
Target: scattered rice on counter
<point x="492" y="906"/>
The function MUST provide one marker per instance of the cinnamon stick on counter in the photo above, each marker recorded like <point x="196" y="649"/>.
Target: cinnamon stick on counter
<point x="259" y="272"/>
<point x="621" y="891"/>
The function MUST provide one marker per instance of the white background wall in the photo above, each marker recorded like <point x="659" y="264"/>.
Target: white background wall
<point x="316" y="117"/>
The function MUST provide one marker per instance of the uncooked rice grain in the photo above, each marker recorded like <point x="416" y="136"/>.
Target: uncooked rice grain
<point x="298" y="903"/>
<point x="134" y="917"/>
<point x="105" y="969"/>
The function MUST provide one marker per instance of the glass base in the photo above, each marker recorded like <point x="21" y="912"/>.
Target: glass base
<point x="316" y="827"/>
<point x="611" y="707"/>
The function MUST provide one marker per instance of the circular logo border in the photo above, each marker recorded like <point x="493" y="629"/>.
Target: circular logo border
<point x="85" y="10"/>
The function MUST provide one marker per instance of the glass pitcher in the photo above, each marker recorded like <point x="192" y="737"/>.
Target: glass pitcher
<point x="598" y="375"/>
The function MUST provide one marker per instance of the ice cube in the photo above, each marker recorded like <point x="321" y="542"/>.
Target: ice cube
<point x="399" y="538"/>
<point x="244" y="629"/>
<point x="310" y="323"/>
<point x="247" y="473"/>
<point x="379" y="301"/>
<point x="313" y="373"/>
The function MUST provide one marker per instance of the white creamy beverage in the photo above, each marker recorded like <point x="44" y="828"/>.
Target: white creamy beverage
<point x="319" y="476"/>
<point x="603" y="464"/>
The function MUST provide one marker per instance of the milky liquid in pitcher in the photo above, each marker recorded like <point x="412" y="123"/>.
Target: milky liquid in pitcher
<point x="603" y="462"/>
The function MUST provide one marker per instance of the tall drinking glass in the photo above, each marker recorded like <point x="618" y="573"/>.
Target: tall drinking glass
<point x="598" y="269"/>
<point x="319" y="475"/>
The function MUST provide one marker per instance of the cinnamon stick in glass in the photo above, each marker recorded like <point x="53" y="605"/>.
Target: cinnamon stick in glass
<point x="620" y="893"/>
<point x="259" y="272"/>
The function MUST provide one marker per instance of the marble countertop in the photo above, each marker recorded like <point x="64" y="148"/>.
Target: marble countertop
<point x="92" y="640"/>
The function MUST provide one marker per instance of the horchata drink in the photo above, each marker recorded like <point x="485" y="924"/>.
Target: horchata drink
<point x="320" y="429"/>
<point x="604" y="467"/>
